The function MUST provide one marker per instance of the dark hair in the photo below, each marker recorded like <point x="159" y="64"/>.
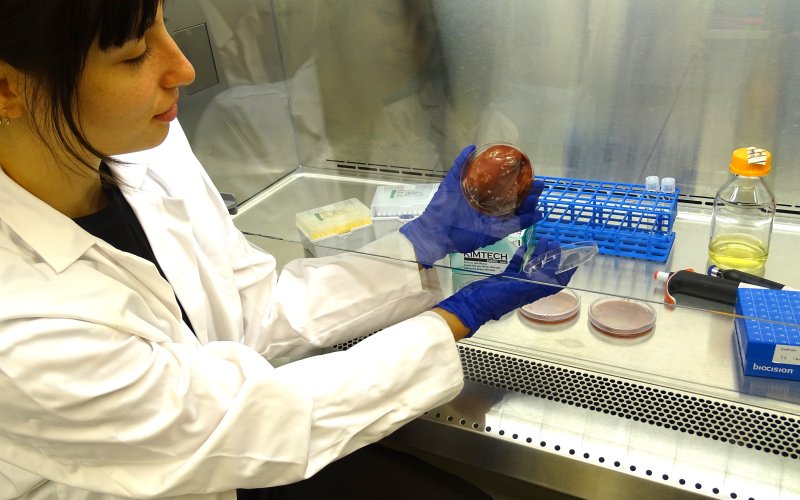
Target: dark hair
<point x="50" y="39"/>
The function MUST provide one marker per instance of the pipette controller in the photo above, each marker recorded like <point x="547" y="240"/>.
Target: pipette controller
<point x="743" y="277"/>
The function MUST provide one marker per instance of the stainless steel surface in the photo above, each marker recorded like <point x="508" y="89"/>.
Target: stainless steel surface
<point x="613" y="89"/>
<point x="672" y="404"/>
<point x="592" y="454"/>
<point x="617" y="89"/>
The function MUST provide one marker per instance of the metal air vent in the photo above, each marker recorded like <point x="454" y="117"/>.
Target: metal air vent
<point x="682" y="412"/>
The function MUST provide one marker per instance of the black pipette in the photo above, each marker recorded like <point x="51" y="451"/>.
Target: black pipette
<point x="698" y="285"/>
<point x="743" y="277"/>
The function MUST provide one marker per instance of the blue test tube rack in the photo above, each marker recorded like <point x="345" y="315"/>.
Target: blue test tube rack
<point x="624" y="219"/>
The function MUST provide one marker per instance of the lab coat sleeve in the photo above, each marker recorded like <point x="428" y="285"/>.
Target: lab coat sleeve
<point x="316" y="303"/>
<point x="102" y="390"/>
<point x="96" y="408"/>
<point x="312" y="303"/>
<point x="320" y="302"/>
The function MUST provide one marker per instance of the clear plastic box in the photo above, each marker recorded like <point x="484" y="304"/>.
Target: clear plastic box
<point x="335" y="228"/>
<point x="393" y="206"/>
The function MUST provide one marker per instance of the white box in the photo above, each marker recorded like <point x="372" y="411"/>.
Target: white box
<point x="339" y="227"/>
<point x="393" y="206"/>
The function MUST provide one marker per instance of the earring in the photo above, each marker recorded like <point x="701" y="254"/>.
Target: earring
<point x="4" y="119"/>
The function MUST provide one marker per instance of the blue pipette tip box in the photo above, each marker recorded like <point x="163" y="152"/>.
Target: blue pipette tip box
<point x="767" y="328"/>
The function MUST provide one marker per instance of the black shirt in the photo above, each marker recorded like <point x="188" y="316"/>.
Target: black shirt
<point x="117" y="225"/>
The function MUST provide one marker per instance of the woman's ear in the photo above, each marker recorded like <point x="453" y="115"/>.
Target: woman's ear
<point x="11" y="103"/>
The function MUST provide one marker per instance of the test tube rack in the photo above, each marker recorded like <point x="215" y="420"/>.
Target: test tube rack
<point x="624" y="219"/>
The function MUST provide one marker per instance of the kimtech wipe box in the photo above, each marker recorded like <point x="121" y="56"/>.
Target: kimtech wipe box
<point x="767" y="329"/>
<point x="492" y="259"/>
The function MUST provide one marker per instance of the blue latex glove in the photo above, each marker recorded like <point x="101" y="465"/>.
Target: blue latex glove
<point x="450" y="224"/>
<point x="493" y="297"/>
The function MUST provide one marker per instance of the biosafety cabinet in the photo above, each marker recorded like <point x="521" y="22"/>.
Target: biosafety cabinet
<point x="300" y="104"/>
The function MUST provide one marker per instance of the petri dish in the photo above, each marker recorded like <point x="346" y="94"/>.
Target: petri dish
<point x="497" y="178"/>
<point x="568" y="256"/>
<point x="559" y="307"/>
<point x="622" y="318"/>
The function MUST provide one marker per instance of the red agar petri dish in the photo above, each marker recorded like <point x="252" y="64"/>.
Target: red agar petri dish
<point x="622" y="318"/>
<point x="556" y="308"/>
<point x="497" y="178"/>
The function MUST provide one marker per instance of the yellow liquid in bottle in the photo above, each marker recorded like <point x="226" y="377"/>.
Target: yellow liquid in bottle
<point x="737" y="251"/>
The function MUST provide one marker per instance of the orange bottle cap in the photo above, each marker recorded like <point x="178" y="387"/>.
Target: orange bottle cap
<point x="753" y="162"/>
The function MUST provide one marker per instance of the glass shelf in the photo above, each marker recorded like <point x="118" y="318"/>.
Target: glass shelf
<point x="692" y="346"/>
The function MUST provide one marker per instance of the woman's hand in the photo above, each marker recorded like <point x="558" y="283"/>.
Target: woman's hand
<point x="493" y="297"/>
<point x="450" y="224"/>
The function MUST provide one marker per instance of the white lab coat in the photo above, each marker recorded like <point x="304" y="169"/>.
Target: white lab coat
<point x="103" y="388"/>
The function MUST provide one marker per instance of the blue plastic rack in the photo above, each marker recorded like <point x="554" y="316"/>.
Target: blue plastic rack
<point x="624" y="219"/>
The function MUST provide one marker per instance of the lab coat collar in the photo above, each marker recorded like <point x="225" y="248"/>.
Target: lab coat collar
<point x="56" y="238"/>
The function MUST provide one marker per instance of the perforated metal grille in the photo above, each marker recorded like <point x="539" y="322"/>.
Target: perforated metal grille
<point x="707" y="418"/>
<point x="682" y="412"/>
<point x="350" y="343"/>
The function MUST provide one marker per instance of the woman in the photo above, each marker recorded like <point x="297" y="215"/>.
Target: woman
<point x="136" y="323"/>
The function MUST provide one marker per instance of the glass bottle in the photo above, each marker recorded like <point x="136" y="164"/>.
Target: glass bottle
<point x="744" y="209"/>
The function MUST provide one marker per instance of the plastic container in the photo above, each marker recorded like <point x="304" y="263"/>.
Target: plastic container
<point x="744" y="210"/>
<point x="393" y="206"/>
<point x="556" y="308"/>
<point x="497" y="178"/>
<point x="335" y="228"/>
<point x="622" y="318"/>
<point x="651" y="183"/>
<point x="668" y="185"/>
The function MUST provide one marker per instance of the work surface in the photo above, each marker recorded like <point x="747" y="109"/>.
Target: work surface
<point x="669" y="413"/>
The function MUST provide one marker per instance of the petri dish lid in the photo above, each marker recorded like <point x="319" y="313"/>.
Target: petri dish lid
<point x="558" y="307"/>
<point x="621" y="317"/>
<point x="569" y="257"/>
